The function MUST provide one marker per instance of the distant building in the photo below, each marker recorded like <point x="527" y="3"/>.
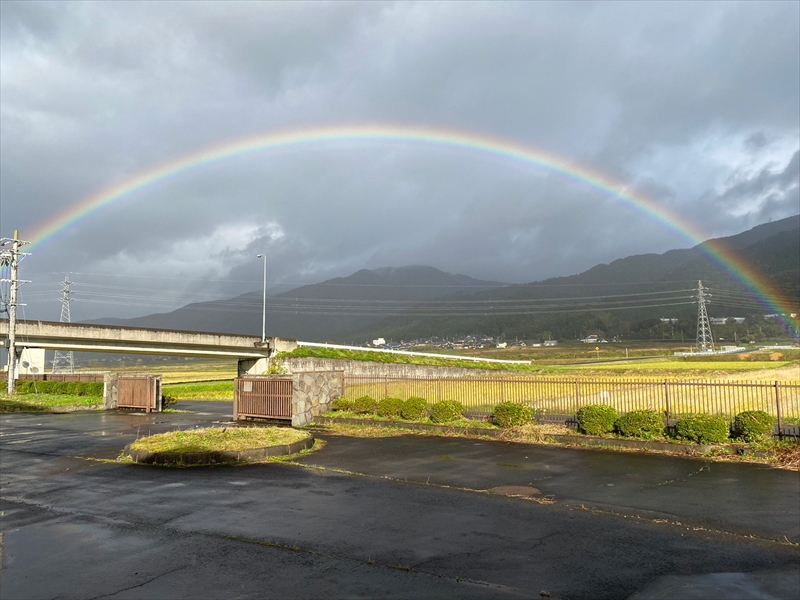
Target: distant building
<point x="502" y="345"/>
<point x="551" y="342"/>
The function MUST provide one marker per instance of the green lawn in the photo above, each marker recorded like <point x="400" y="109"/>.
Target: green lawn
<point x="219" y="439"/>
<point x="47" y="403"/>
<point x="209" y="390"/>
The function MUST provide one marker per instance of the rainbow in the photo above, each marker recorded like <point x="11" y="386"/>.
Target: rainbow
<point x="482" y="144"/>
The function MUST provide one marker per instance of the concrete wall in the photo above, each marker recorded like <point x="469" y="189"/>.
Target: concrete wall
<point x="375" y="369"/>
<point x="313" y="393"/>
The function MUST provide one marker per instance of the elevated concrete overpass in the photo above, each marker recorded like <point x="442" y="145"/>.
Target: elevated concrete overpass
<point x="252" y="354"/>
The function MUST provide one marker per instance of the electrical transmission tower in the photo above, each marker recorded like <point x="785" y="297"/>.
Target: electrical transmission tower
<point x="64" y="362"/>
<point x="705" y="340"/>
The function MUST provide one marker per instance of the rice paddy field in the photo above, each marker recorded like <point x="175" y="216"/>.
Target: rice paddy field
<point x="565" y="395"/>
<point x="718" y="384"/>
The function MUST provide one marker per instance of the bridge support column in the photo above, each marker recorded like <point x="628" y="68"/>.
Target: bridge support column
<point x="253" y="366"/>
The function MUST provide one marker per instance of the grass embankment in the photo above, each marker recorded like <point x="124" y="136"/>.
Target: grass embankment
<point x="212" y="390"/>
<point x="672" y="367"/>
<point x="402" y="359"/>
<point x="215" y="439"/>
<point x="47" y="403"/>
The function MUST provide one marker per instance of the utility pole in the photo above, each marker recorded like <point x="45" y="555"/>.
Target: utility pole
<point x="64" y="362"/>
<point x="705" y="340"/>
<point x="10" y="257"/>
<point x="264" y="304"/>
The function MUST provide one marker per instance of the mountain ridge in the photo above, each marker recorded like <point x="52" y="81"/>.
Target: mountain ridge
<point x="328" y="311"/>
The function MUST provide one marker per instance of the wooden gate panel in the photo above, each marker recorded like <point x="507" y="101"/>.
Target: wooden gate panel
<point x="263" y="398"/>
<point x="137" y="392"/>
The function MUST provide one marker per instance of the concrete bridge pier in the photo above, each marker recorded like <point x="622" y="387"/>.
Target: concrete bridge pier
<point x="253" y="366"/>
<point x="260" y="366"/>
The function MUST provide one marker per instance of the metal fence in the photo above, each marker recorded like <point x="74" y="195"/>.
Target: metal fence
<point x="564" y="396"/>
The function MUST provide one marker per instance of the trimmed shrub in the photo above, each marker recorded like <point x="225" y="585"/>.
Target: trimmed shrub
<point x="703" y="429"/>
<point x="414" y="409"/>
<point x="596" y="419"/>
<point x="645" y="424"/>
<point x="365" y="405"/>
<point x="753" y="425"/>
<point x="342" y="404"/>
<point x="511" y="414"/>
<point x="390" y="407"/>
<point x="446" y="411"/>
<point x="22" y="386"/>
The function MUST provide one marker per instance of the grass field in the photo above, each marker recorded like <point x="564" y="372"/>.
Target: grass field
<point x="210" y="390"/>
<point x="194" y="371"/>
<point x="47" y="403"/>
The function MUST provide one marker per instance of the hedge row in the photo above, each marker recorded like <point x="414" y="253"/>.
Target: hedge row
<point x="413" y="409"/>
<point x="596" y="419"/>
<point x="748" y="426"/>
<point x="59" y="387"/>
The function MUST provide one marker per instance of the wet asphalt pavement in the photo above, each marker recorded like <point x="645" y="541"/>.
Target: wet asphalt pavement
<point x="406" y="517"/>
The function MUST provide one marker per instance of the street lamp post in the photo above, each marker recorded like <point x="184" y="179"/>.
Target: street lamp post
<point x="264" y="304"/>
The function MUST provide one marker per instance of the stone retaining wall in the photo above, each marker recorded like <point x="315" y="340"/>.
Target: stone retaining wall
<point x="312" y="394"/>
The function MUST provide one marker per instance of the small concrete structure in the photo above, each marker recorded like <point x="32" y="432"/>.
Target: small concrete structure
<point x="31" y="362"/>
<point x="147" y="395"/>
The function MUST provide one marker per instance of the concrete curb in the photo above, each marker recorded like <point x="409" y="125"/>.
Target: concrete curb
<point x="581" y="440"/>
<point x="211" y="458"/>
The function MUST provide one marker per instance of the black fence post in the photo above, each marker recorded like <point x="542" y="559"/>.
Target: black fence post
<point x="778" y="407"/>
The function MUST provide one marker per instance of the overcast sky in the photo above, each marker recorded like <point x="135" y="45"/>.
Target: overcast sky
<point x="694" y="104"/>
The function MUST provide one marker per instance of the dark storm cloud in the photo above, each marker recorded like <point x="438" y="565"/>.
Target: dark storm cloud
<point x="694" y="105"/>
